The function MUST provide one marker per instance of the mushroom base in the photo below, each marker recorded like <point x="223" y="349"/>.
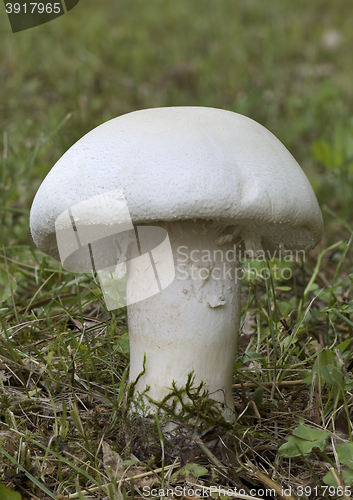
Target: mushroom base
<point x="192" y="325"/>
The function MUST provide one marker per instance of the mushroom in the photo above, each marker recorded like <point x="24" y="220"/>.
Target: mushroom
<point x="207" y="180"/>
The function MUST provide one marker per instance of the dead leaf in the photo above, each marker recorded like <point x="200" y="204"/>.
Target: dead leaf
<point x="9" y="441"/>
<point x="87" y="323"/>
<point x="341" y="425"/>
<point x="249" y="326"/>
<point x="5" y="376"/>
<point x="187" y="456"/>
<point x="140" y="482"/>
<point x="112" y="461"/>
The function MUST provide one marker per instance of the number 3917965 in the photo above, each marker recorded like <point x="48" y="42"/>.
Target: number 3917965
<point x="33" y="8"/>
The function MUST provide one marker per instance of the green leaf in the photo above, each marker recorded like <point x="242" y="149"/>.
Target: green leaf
<point x="344" y="345"/>
<point x="303" y="440"/>
<point x="322" y="151"/>
<point x="345" y="454"/>
<point x="294" y="447"/>
<point x="307" y="376"/>
<point x="334" y="376"/>
<point x="253" y="356"/>
<point x="194" y="469"/>
<point x="312" y="287"/>
<point x="347" y="478"/>
<point x="285" y="343"/>
<point x="6" y="494"/>
<point x="325" y="357"/>
<point x="337" y="375"/>
<point x="326" y="375"/>
<point x="6" y="284"/>
<point x="325" y="367"/>
<point x="123" y="342"/>
<point x="310" y="433"/>
<point x="258" y="395"/>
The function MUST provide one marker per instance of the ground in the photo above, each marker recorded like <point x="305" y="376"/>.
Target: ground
<point x="66" y="425"/>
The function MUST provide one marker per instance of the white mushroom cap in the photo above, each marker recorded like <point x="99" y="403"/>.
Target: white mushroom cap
<point x="185" y="163"/>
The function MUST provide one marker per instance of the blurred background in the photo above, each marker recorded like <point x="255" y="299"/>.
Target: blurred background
<point x="287" y="65"/>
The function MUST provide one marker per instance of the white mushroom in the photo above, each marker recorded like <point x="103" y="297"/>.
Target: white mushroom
<point x="207" y="177"/>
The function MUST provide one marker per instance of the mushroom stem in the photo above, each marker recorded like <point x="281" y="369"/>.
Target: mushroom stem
<point x="192" y="325"/>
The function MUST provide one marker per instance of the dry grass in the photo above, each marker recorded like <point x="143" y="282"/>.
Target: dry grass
<point x="64" y="396"/>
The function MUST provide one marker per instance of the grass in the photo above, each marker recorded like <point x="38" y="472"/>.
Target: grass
<point x="64" y="420"/>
